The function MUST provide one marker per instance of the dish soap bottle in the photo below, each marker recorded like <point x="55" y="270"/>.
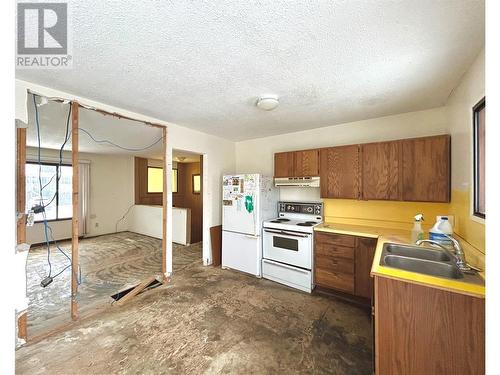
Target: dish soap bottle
<point x="417" y="233"/>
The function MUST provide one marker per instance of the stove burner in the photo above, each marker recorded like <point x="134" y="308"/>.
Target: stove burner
<point x="307" y="224"/>
<point x="280" y="220"/>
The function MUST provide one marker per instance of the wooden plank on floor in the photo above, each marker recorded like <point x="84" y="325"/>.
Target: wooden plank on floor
<point x="139" y="288"/>
<point x="74" y="220"/>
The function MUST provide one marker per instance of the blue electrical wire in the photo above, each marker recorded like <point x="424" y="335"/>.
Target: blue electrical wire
<point x="47" y="228"/>
<point x="116" y="145"/>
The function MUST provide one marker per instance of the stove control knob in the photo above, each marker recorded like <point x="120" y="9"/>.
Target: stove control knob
<point x="309" y="209"/>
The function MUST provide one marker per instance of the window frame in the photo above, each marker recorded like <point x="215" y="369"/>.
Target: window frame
<point x="481" y="105"/>
<point x="57" y="165"/>
<point x="147" y="181"/>
<point x="176" y="181"/>
<point x="192" y="183"/>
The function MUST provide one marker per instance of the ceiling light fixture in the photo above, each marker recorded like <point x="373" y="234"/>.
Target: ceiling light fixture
<point x="267" y="102"/>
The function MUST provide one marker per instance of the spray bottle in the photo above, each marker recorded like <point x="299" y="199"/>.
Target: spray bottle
<point x="417" y="233"/>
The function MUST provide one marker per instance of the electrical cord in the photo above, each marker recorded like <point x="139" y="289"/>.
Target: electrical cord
<point x="116" y="145"/>
<point x="47" y="228"/>
<point x="123" y="217"/>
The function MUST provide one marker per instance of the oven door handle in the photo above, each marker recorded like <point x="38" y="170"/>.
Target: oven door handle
<point x="286" y="233"/>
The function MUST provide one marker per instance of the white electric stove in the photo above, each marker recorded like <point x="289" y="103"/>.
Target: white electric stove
<point x="288" y="244"/>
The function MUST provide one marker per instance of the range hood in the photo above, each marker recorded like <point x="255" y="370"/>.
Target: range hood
<point x="297" y="181"/>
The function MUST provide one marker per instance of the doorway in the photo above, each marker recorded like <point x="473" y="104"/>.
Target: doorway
<point x="187" y="208"/>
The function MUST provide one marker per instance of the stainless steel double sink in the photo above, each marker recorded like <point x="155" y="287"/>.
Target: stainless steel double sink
<point x="425" y="260"/>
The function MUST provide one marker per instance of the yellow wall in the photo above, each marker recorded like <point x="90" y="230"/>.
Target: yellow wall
<point x="472" y="231"/>
<point x="386" y="214"/>
<point x="392" y="214"/>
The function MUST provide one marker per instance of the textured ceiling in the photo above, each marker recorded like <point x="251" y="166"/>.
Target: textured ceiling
<point x="125" y="133"/>
<point x="202" y="64"/>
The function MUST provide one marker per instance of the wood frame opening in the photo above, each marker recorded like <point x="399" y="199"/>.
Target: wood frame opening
<point x="20" y="205"/>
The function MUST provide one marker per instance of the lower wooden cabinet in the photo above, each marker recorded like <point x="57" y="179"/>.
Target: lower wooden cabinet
<point x="365" y="250"/>
<point x="422" y="330"/>
<point x="343" y="263"/>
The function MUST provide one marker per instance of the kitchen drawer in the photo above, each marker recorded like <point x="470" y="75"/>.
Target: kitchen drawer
<point x="334" y="280"/>
<point x="334" y="264"/>
<point x="335" y="239"/>
<point x="334" y="251"/>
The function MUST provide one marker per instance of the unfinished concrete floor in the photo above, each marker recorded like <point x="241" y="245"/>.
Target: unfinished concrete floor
<point x="212" y="321"/>
<point x="108" y="263"/>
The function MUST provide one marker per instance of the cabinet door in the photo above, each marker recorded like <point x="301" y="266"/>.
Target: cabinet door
<point x="339" y="172"/>
<point x="380" y="166"/>
<point x="365" y="250"/>
<point x="307" y="163"/>
<point x="284" y="163"/>
<point x="426" y="169"/>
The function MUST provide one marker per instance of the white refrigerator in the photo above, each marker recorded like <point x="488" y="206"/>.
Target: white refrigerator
<point x="247" y="200"/>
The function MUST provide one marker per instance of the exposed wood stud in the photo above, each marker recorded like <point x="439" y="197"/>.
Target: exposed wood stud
<point x="74" y="220"/>
<point x="22" y="320"/>
<point x="164" y="207"/>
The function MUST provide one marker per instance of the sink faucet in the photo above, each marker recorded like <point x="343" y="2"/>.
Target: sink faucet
<point x="458" y="252"/>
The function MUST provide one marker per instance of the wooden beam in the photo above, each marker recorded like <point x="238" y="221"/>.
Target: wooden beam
<point x="74" y="220"/>
<point x="164" y="207"/>
<point x="21" y="185"/>
<point x="139" y="288"/>
<point x="22" y="320"/>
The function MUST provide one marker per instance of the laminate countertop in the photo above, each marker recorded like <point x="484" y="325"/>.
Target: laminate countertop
<point x="399" y="236"/>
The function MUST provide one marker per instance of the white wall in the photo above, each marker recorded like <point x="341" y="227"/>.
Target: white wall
<point x="459" y="111"/>
<point x="219" y="159"/>
<point x="111" y="194"/>
<point x="256" y="156"/>
<point x="145" y="220"/>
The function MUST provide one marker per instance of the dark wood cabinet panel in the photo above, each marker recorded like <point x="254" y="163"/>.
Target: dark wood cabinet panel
<point x="334" y="264"/>
<point x="380" y="166"/>
<point x="365" y="250"/>
<point x="284" y="164"/>
<point x="334" y="239"/>
<point x="339" y="172"/>
<point x="307" y="163"/>
<point x="423" y="330"/>
<point x="426" y="169"/>
<point x="334" y="280"/>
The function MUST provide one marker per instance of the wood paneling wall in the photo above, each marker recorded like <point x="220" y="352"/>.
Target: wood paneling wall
<point x="186" y="199"/>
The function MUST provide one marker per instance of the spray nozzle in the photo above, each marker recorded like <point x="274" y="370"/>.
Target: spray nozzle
<point x="419" y="217"/>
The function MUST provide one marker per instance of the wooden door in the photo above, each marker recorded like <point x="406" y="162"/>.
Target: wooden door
<point x="426" y="169"/>
<point x="307" y="163"/>
<point x="365" y="250"/>
<point x="284" y="164"/>
<point x="339" y="172"/>
<point x="380" y="166"/>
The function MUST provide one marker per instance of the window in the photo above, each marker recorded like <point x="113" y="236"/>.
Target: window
<point x="155" y="180"/>
<point x="175" y="185"/>
<point x="479" y="123"/>
<point x="196" y="184"/>
<point x="57" y="195"/>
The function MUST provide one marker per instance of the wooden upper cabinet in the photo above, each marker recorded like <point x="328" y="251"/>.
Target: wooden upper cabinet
<point x="339" y="172"/>
<point x="284" y="164"/>
<point x="426" y="169"/>
<point x="307" y="163"/>
<point x="381" y="169"/>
